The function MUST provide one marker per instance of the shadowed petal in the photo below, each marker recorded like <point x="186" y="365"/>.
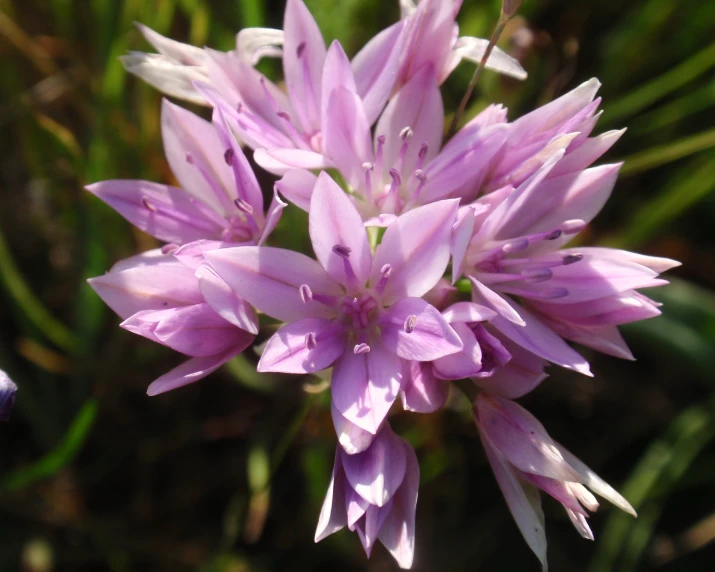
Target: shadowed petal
<point x="377" y="472"/>
<point x="303" y="58"/>
<point x="192" y="370"/>
<point x="417" y="248"/>
<point x="333" y="515"/>
<point x="526" y="509"/>
<point x="397" y="533"/>
<point x="334" y="220"/>
<point x="464" y="363"/>
<point x="297" y="186"/>
<point x="520" y="438"/>
<point x="224" y="301"/>
<point x="365" y="385"/>
<point x="269" y="279"/>
<point x="305" y="346"/>
<point x="421" y="391"/>
<point x="167" y="213"/>
<point x="426" y="337"/>
<point x="352" y="438"/>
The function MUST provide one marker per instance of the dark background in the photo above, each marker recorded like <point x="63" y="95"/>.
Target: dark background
<point x="228" y="475"/>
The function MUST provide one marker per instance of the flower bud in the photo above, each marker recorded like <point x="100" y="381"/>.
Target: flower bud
<point x="7" y="396"/>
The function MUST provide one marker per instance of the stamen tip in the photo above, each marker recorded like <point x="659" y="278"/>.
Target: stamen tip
<point x="410" y="323"/>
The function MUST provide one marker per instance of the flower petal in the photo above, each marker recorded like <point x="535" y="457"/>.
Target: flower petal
<point x="166" y="75"/>
<point x="151" y="287"/>
<point x="483" y="296"/>
<point x="224" y="301"/>
<point x="375" y="68"/>
<point x="596" y="483"/>
<point x="468" y="312"/>
<point x="519" y="436"/>
<point x="377" y="472"/>
<point x="305" y="346"/>
<point x="190" y="371"/>
<point x="334" y="221"/>
<point x="417" y="105"/>
<point x="417" y="248"/>
<point x="473" y="49"/>
<point x="365" y="385"/>
<point x="415" y="330"/>
<point x="303" y="58"/>
<point x="167" y="213"/>
<point x="352" y="438"/>
<point x="464" y="363"/>
<point x="421" y="391"/>
<point x="297" y="186"/>
<point x="254" y="44"/>
<point x="333" y="515"/>
<point x="269" y="279"/>
<point x="397" y="533"/>
<point x="280" y="161"/>
<point x="196" y="157"/>
<point x="525" y="508"/>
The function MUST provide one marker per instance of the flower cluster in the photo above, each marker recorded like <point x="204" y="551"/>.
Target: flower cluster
<point x="392" y="207"/>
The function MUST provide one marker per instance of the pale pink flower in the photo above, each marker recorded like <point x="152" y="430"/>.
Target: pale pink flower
<point x="361" y="312"/>
<point x="525" y="459"/>
<point x="375" y="494"/>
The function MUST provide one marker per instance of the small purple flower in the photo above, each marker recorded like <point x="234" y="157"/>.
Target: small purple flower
<point x="361" y="312"/>
<point x="524" y="458"/>
<point x="188" y="309"/>
<point x="375" y="494"/>
<point x="8" y="389"/>
<point x="219" y="198"/>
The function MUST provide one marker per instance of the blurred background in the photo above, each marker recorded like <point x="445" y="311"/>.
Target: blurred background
<point x="228" y="475"/>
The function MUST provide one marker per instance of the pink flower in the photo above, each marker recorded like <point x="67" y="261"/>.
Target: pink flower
<point x="168" y="302"/>
<point x="405" y="166"/>
<point x="524" y="458"/>
<point x="375" y="494"/>
<point x="428" y="34"/>
<point x="361" y="312"/>
<point x="219" y="198"/>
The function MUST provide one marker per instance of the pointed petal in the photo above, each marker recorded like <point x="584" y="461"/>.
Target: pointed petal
<point x="196" y="157"/>
<point x="596" y="483"/>
<point x="191" y="255"/>
<point x="417" y="248"/>
<point x="164" y="212"/>
<point x="427" y="337"/>
<point x="417" y="105"/>
<point x="375" y="69"/>
<point x="337" y="73"/>
<point x="378" y="472"/>
<point x="655" y="263"/>
<point x="365" y="385"/>
<point x="280" y="161"/>
<point x="297" y="186"/>
<point x="166" y="75"/>
<point x="462" y="161"/>
<point x="151" y="287"/>
<point x="184" y="53"/>
<point x="273" y="216"/>
<point x="461" y="236"/>
<point x="473" y="49"/>
<point x="224" y="301"/>
<point x="580" y="523"/>
<point x="333" y="516"/>
<point x="464" y="363"/>
<point x="288" y="350"/>
<point x="483" y="296"/>
<point x="254" y="44"/>
<point x="397" y="533"/>
<point x="468" y="312"/>
<point x="269" y="279"/>
<point x="194" y="330"/>
<point x="542" y="341"/>
<point x="421" y="391"/>
<point x="189" y="372"/>
<point x="520" y="438"/>
<point x="352" y="438"/>
<point x="525" y="510"/>
<point x="589" y="151"/>
<point x="303" y="58"/>
<point x="346" y="136"/>
<point x="334" y="220"/>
